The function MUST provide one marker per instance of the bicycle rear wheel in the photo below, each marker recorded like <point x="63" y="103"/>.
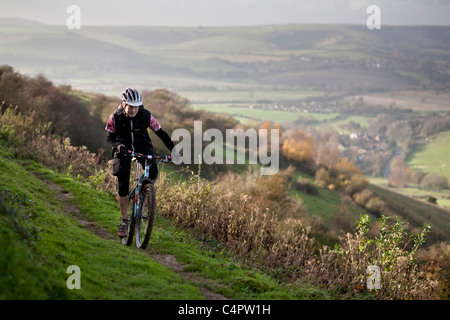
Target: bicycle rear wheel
<point x="146" y="216"/>
<point x="128" y="240"/>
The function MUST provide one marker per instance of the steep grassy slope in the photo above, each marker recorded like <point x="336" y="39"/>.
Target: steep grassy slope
<point x="432" y="157"/>
<point x="75" y="225"/>
<point x="417" y="211"/>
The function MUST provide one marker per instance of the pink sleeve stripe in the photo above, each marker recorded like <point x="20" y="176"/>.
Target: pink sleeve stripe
<point x="154" y="125"/>
<point x="111" y="124"/>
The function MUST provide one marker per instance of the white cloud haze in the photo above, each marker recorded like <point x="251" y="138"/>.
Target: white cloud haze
<point x="231" y="12"/>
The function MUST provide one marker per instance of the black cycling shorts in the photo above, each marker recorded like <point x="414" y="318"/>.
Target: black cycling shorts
<point x="121" y="168"/>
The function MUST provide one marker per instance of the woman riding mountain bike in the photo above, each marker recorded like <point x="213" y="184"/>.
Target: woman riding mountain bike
<point x="127" y="130"/>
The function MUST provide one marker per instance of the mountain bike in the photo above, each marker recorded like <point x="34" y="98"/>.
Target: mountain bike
<point x="142" y="202"/>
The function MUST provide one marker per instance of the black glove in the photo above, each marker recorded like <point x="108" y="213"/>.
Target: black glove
<point x="122" y="149"/>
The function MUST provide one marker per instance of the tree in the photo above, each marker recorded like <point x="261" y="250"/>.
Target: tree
<point x="399" y="176"/>
<point x="299" y="146"/>
<point x="434" y="182"/>
<point x="327" y="153"/>
<point x="399" y="173"/>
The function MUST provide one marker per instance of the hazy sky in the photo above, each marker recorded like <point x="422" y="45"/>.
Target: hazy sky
<point x="229" y="12"/>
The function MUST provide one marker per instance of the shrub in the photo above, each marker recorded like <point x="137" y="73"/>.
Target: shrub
<point x="254" y="232"/>
<point x="27" y="137"/>
<point x="434" y="182"/>
<point x="305" y="185"/>
<point x="356" y="184"/>
<point x="432" y="199"/>
<point x="438" y="256"/>
<point x="299" y="146"/>
<point x="56" y="104"/>
<point x="323" y="178"/>
<point x="416" y="177"/>
<point x="376" y="205"/>
<point x="229" y="217"/>
<point x="403" y="274"/>
<point x="363" y="197"/>
<point x="342" y="175"/>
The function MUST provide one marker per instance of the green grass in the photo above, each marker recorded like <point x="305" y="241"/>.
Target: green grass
<point x="325" y="204"/>
<point x="110" y="270"/>
<point x="433" y="157"/>
<point x="416" y="211"/>
<point x="442" y="196"/>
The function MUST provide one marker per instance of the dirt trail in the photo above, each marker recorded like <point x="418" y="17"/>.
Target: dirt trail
<point x="167" y="260"/>
<point x="73" y="211"/>
<point x="171" y="262"/>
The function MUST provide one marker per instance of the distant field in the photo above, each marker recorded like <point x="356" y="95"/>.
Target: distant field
<point x="276" y="116"/>
<point x="433" y="157"/>
<point x="248" y="116"/>
<point x="417" y="211"/>
<point x="247" y="96"/>
<point x="443" y="197"/>
<point x="417" y="100"/>
<point x="339" y="124"/>
<point x="256" y="114"/>
<point x="332" y="58"/>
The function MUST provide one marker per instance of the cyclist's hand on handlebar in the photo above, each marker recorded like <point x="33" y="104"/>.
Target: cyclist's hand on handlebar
<point x="175" y="156"/>
<point x="122" y="149"/>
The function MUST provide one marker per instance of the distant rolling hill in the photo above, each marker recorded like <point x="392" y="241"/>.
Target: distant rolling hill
<point x="334" y="58"/>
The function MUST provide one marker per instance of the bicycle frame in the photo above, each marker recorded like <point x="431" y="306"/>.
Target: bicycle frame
<point x="140" y="178"/>
<point x="137" y="194"/>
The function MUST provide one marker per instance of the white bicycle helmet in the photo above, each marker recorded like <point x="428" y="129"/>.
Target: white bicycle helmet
<point x="132" y="97"/>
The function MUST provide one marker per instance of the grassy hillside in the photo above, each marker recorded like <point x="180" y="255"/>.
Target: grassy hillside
<point x="432" y="157"/>
<point x="417" y="211"/>
<point x="242" y="236"/>
<point x="75" y="225"/>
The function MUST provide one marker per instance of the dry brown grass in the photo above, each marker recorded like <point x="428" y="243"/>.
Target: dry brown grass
<point x="235" y="212"/>
<point x="27" y="137"/>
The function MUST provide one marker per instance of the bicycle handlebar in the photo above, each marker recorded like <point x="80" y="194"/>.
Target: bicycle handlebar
<point x="137" y="155"/>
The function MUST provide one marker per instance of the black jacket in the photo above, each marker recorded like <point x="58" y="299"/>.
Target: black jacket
<point x="132" y="132"/>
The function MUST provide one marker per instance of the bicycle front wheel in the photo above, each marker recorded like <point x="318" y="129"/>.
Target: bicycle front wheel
<point x="145" y="216"/>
